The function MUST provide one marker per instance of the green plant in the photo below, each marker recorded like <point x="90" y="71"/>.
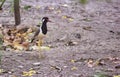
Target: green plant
<point x="12" y="6"/>
<point x="83" y="1"/>
<point x="27" y="7"/>
<point x="100" y="75"/>
<point x="3" y="1"/>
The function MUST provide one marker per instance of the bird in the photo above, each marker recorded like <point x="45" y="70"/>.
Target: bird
<point x="41" y="32"/>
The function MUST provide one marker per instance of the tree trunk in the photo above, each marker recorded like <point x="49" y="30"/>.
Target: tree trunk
<point x="17" y="12"/>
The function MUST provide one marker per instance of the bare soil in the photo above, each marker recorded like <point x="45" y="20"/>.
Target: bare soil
<point x="84" y="39"/>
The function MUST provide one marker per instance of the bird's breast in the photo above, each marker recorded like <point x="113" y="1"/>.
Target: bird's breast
<point x="41" y="36"/>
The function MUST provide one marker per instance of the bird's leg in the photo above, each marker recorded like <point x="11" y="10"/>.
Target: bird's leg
<point x="40" y="42"/>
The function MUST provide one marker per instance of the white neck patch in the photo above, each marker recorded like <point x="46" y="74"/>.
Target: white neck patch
<point x="43" y="20"/>
<point x="40" y="29"/>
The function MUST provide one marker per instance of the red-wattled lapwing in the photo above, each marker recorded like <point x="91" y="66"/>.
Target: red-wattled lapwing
<point x="41" y="32"/>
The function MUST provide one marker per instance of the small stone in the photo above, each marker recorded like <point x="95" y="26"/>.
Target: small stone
<point x="118" y="33"/>
<point x="0" y="8"/>
<point x="71" y="43"/>
<point x="77" y="35"/>
<point x="65" y="66"/>
<point x="87" y="28"/>
<point x="117" y="67"/>
<point x="8" y="49"/>
<point x="10" y="72"/>
<point x="109" y="70"/>
<point x="20" y="54"/>
<point x="20" y="66"/>
<point x="57" y="68"/>
<point x="65" y="5"/>
<point x="49" y="45"/>
<point x="111" y="31"/>
<point x="36" y="64"/>
<point x="63" y="38"/>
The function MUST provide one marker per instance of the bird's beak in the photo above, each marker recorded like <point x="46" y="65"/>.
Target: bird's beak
<point x="49" y="21"/>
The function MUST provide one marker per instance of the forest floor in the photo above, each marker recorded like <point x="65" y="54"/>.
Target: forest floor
<point x="84" y="39"/>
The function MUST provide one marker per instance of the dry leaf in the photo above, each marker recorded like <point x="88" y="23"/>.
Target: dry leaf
<point x="19" y="38"/>
<point x="38" y="7"/>
<point x="35" y="47"/>
<point x="1" y="71"/>
<point x="39" y="48"/>
<point x="58" y="11"/>
<point x="23" y="46"/>
<point x="99" y="62"/>
<point x="74" y="68"/>
<point x="18" y="46"/>
<point x="72" y="61"/>
<point x="44" y="48"/>
<point x="87" y="28"/>
<point x="64" y="17"/>
<point x="51" y="8"/>
<point x="29" y="73"/>
<point x="26" y="45"/>
<point x="90" y="63"/>
<point x="71" y="19"/>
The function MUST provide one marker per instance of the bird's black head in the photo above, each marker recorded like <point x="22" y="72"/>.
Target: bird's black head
<point x="45" y="19"/>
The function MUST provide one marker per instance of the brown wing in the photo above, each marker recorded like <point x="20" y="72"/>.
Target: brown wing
<point x="23" y="30"/>
<point x="35" y="35"/>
